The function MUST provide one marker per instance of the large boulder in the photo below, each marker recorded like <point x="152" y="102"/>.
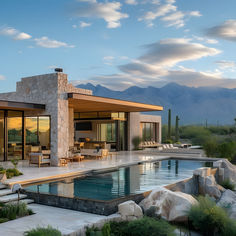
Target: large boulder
<point x="228" y="200"/>
<point x="226" y="170"/>
<point x="171" y="206"/>
<point x="207" y="184"/>
<point x="130" y="210"/>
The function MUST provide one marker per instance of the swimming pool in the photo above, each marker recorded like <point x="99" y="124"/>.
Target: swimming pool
<point x="123" y="182"/>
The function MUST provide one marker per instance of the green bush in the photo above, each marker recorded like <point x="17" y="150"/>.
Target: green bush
<point x="197" y="134"/>
<point x="210" y="147"/>
<point x="227" y="184"/>
<point x="145" y="226"/>
<point x="169" y="141"/>
<point x="119" y="228"/>
<point x="15" y="162"/>
<point x="13" y="210"/>
<point x="3" y="220"/>
<point x="150" y="227"/>
<point x="227" y="150"/>
<point x="93" y="231"/>
<point x="211" y="219"/>
<point x="136" y="142"/>
<point x="40" y="231"/>
<point x="11" y="172"/>
<point x="106" y="230"/>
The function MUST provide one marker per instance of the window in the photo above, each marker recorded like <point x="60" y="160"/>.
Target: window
<point x="1" y="135"/>
<point x="148" y="131"/>
<point x="37" y="133"/>
<point x="106" y="132"/>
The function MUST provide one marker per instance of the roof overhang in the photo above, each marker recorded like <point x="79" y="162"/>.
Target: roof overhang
<point x="89" y="103"/>
<point x="21" y="106"/>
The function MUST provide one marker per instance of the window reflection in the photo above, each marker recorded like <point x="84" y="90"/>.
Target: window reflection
<point x="14" y="133"/>
<point x="37" y="134"/>
<point x="1" y="135"/>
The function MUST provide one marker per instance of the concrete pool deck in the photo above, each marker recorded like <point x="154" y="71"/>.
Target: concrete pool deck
<point x="70" y="223"/>
<point x="33" y="174"/>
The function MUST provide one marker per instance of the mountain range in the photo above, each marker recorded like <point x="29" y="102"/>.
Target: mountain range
<point x="216" y="106"/>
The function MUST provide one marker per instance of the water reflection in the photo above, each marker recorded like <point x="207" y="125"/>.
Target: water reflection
<point x="123" y="182"/>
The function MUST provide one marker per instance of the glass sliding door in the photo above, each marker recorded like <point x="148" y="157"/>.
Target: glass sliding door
<point x="1" y="135"/>
<point x="44" y="132"/>
<point x="14" y="134"/>
<point x="37" y="134"/>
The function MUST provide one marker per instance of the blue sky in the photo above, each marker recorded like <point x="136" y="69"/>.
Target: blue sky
<point x="119" y="43"/>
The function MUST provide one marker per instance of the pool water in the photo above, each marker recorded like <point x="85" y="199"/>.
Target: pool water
<point x="122" y="182"/>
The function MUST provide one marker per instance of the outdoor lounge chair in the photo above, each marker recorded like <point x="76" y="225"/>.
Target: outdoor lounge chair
<point x="101" y="153"/>
<point x="38" y="159"/>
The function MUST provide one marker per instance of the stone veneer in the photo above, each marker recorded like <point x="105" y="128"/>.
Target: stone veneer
<point x="51" y="90"/>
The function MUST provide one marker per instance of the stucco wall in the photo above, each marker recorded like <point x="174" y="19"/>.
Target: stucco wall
<point x="134" y="129"/>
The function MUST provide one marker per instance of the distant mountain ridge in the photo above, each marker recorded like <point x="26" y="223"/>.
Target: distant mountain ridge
<point x="192" y="105"/>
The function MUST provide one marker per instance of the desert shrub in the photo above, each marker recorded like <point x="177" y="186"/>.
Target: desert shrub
<point x="13" y="210"/>
<point x="11" y="172"/>
<point x="106" y="230"/>
<point x="3" y="220"/>
<point x="40" y="231"/>
<point x="149" y="226"/>
<point x="15" y="162"/>
<point x="197" y="134"/>
<point x="136" y="142"/>
<point x="211" y="219"/>
<point x="227" y="150"/>
<point x="227" y="184"/>
<point x="169" y="141"/>
<point x="119" y="228"/>
<point x="93" y="231"/>
<point x="210" y="147"/>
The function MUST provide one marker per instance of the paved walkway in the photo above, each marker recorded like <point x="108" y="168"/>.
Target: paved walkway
<point x="34" y="174"/>
<point x="67" y="221"/>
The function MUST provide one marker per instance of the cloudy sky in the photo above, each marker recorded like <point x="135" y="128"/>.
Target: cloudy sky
<point x="120" y="43"/>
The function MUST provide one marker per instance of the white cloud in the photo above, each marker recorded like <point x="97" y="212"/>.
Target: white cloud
<point x="108" y="11"/>
<point x="45" y="42"/>
<point x="169" y="14"/>
<point x="2" y="77"/>
<point x="108" y="60"/>
<point x="155" y="67"/>
<point x="22" y="36"/>
<point x="131" y="2"/>
<point x="226" y="65"/>
<point x="206" y="40"/>
<point x="227" y="30"/>
<point x="14" y="33"/>
<point x="84" y="24"/>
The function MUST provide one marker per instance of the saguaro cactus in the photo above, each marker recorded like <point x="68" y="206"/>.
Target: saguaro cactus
<point x="169" y="124"/>
<point x="177" y="129"/>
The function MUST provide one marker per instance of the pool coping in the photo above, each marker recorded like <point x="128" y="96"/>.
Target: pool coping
<point x="101" y="170"/>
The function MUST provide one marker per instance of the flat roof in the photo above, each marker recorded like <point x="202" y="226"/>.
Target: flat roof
<point x="89" y="103"/>
<point x="22" y="106"/>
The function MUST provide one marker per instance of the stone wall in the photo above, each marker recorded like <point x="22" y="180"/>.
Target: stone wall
<point x="51" y="90"/>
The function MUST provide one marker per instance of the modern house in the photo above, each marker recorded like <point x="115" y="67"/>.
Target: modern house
<point x="49" y="112"/>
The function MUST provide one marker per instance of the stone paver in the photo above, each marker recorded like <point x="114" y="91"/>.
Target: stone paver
<point x="12" y="197"/>
<point x="67" y="221"/>
<point x="4" y="192"/>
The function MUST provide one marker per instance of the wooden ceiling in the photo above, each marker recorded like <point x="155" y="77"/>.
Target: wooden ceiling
<point x="89" y="103"/>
